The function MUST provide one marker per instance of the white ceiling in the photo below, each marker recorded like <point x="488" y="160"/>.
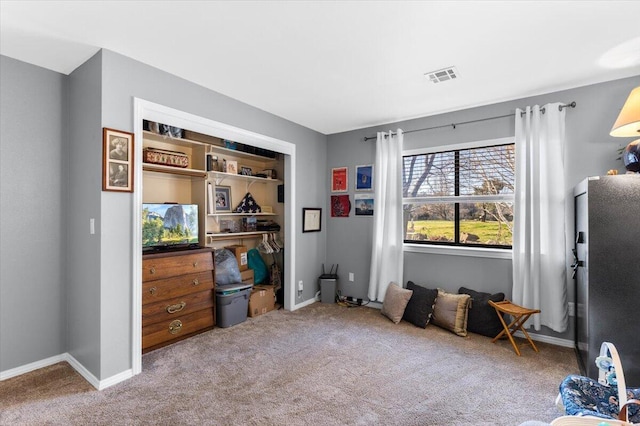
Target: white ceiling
<point x="334" y="66"/>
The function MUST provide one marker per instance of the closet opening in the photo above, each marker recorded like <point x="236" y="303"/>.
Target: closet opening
<point x="219" y="173"/>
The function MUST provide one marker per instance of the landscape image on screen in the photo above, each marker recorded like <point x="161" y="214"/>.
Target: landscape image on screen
<point x="169" y="224"/>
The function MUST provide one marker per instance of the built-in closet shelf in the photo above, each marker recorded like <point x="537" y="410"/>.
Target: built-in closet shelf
<point x="240" y="214"/>
<point x="150" y="167"/>
<point x="221" y="150"/>
<point x="219" y="177"/>
<point x="237" y="235"/>
<point x="171" y="140"/>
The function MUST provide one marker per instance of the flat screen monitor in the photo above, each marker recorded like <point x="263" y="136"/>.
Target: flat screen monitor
<point x="169" y="226"/>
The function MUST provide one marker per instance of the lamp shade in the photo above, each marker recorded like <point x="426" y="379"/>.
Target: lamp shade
<point x="628" y="122"/>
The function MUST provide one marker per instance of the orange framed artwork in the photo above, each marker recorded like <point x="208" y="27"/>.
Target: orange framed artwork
<point x="339" y="179"/>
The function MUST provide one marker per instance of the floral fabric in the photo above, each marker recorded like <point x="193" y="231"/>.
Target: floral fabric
<point x="582" y="396"/>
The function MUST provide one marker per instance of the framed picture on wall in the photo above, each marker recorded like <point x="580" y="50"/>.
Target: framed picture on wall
<point x="117" y="160"/>
<point x="364" y="178"/>
<point x="339" y="179"/>
<point x="340" y="205"/>
<point x="311" y="219"/>
<point x="364" y="204"/>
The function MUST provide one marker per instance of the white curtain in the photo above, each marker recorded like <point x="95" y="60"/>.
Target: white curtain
<point x="539" y="266"/>
<point x="386" y="253"/>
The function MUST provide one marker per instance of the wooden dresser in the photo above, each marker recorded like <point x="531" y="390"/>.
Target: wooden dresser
<point x="177" y="296"/>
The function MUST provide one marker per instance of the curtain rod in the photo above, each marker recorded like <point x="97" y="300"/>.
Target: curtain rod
<point x="560" y="108"/>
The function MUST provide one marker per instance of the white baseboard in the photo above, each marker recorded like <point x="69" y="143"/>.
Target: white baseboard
<point x="7" y="374"/>
<point x="88" y="376"/>
<point x="547" y="339"/>
<point x="66" y="357"/>
<point x="303" y="304"/>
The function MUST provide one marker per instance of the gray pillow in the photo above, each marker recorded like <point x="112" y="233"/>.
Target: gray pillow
<point x="395" y="302"/>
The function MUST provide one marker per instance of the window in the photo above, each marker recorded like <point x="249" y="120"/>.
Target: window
<point x="461" y="197"/>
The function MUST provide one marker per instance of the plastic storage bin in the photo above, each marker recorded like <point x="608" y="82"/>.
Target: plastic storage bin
<point x="232" y="304"/>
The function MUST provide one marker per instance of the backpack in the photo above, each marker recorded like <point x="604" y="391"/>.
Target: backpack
<point x="260" y="271"/>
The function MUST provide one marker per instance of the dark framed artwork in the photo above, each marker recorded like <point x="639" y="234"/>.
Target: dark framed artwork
<point x="340" y="205"/>
<point x="311" y="219"/>
<point x="223" y="198"/>
<point x="117" y="160"/>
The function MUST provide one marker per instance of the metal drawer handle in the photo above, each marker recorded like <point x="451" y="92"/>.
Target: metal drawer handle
<point x="196" y="282"/>
<point x="153" y="290"/>
<point x="152" y="270"/>
<point x="175" y="327"/>
<point x="172" y="309"/>
<point x="195" y="264"/>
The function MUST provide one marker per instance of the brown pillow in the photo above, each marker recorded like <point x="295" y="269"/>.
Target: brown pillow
<point x="395" y="302"/>
<point x="451" y="312"/>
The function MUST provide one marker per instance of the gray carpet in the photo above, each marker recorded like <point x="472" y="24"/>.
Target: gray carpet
<point x="323" y="364"/>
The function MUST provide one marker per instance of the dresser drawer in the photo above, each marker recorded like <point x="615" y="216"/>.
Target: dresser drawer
<point x="154" y="291"/>
<point x="156" y="268"/>
<point x="168" y="330"/>
<point x="170" y="309"/>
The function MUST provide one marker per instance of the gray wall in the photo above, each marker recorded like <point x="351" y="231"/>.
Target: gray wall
<point x="32" y="225"/>
<point x="85" y="183"/>
<point x="75" y="295"/>
<point x="590" y="151"/>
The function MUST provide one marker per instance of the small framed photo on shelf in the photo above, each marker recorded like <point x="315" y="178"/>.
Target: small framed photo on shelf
<point x="232" y="167"/>
<point x="339" y="179"/>
<point x="364" y="178"/>
<point x="223" y="198"/>
<point x="117" y="160"/>
<point x="246" y="171"/>
<point x="311" y="219"/>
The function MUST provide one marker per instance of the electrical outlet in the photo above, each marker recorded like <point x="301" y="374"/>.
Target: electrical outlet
<point x="300" y="285"/>
<point x="351" y="277"/>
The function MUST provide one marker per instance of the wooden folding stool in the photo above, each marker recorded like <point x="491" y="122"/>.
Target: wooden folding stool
<point x="520" y="315"/>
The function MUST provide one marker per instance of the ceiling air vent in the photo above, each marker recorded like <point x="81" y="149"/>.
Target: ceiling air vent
<point x="442" y="75"/>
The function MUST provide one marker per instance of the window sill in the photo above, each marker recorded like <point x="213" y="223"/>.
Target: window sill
<point x="458" y="251"/>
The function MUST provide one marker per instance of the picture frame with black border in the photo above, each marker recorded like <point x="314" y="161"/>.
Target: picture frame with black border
<point x="311" y="219"/>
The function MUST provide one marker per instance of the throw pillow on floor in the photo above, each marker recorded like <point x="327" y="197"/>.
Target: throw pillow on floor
<point x="482" y="316"/>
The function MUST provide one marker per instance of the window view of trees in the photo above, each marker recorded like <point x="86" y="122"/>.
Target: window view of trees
<point x="460" y="197"/>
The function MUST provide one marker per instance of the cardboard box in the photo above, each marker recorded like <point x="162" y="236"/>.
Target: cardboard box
<point x="262" y="300"/>
<point x="241" y="256"/>
<point x="247" y="276"/>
